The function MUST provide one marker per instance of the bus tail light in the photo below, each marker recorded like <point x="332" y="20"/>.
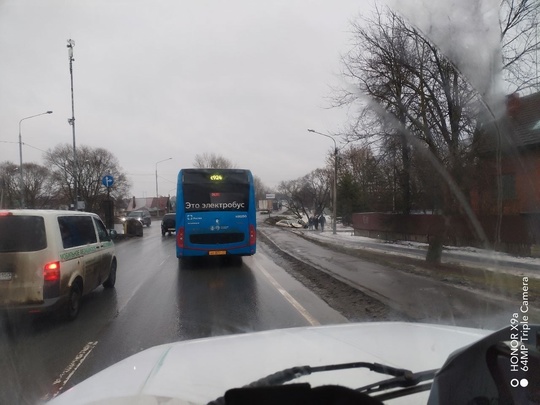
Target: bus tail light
<point x="252" y="235"/>
<point x="180" y="237"/>
<point x="51" y="271"/>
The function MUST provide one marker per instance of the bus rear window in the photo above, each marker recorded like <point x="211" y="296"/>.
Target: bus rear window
<point x="216" y="197"/>
<point x="22" y="233"/>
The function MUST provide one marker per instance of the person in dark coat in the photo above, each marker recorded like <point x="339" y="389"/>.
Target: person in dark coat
<point x="316" y="222"/>
<point x="322" y="221"/>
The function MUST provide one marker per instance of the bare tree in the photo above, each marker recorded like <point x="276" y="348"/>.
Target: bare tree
<point x="213" y="161"/>
<point x="92" y="165"/>
<point x="380" y="64"/>
<point x="421" y="103"/>
<point x="37" y="186"/>
<point x="519" y="43"/>
<point x="309" y="194"/>
<point x="366" y="176"/>
<point x="260" y="188"/>
<point x="9" y="187"/>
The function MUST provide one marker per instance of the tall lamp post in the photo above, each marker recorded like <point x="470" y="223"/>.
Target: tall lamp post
<point x="164" y="160"/>
<point x="71" y="121"/>
<point x="21" y="178"/>
<point x="335" y="177"/>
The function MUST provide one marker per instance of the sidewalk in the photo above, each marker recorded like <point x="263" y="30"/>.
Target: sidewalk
<point x="468" y="256"/>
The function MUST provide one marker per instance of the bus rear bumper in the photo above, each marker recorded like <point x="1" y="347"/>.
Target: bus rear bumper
<point x="201" y="252"/>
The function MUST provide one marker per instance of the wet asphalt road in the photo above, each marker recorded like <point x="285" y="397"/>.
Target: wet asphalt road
<point x="158" y="301"/>
<point x="155" y="301"/>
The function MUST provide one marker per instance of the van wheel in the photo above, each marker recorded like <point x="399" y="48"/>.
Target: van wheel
<point x="74" y="302"/>
<point x="111" y="280"/>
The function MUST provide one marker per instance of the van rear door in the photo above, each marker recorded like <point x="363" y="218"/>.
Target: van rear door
<point x="23" y="244"/>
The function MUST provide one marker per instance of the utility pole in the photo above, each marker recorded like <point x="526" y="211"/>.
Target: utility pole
<point x="157" y="193"/>
<point x="71" y="121"/>
<point x="334" y="210"/>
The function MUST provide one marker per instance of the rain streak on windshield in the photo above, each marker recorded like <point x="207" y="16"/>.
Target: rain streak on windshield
<point x="386" y="240"/>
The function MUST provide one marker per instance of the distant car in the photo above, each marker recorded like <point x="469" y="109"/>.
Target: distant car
<point x="141" y="215"/>
<point x="290" y="223"/>
<point x="264" y="212"/>
<point x="168" y="223"/>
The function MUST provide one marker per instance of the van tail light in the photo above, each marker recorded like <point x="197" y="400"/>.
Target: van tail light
<point x="180" y="237"/>
<point x="51" y="272"/>
<point x="252" y="235"/>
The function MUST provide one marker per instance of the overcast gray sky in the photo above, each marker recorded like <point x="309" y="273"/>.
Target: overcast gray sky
<point x="158" y="79"/>
<point x="244" y="79"/>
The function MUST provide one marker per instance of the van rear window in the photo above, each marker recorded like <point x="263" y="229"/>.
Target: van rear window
<point x="22" y="233"/>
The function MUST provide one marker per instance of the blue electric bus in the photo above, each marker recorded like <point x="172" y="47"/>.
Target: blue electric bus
<point x="215" y="213"/>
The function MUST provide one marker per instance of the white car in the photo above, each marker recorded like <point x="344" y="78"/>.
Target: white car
<point x="406" y="362"/>
<point x="49" y="259"/>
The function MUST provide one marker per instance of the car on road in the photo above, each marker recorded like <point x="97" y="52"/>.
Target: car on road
<point x="168" y="223"/>
<point x="141" y="215"/>
<point x="49" y="259"/>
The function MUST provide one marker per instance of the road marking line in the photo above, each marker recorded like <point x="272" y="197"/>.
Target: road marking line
<point x="288" y="296"/>
<point x="63" y="378"/>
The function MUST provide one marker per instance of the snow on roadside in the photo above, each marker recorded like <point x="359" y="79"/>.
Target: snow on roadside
<point x="495" y="261"/>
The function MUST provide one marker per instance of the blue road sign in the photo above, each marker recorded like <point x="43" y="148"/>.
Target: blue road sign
<point x="107" y="181"/>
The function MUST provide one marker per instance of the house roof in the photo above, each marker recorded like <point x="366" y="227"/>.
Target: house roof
<point x="524" y="118"/>
<point x="519" y="127"/>
<point x="149" y="203"/>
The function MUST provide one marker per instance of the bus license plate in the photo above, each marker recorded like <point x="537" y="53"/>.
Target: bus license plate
<point x="5" y="276"/>
<point x="217" y="252"/>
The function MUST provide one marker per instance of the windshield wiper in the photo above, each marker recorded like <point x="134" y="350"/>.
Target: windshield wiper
<point x="404" y="377"/>
<point x="410" y="382"/>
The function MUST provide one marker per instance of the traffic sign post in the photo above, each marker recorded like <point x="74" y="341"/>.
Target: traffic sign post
<point x="108" y="181"/>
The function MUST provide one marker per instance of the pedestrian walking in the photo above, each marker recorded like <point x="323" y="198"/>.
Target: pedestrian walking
<point x="322" y="221"/>
<point x="316" y="222"/>
<point x="310" y="223"/>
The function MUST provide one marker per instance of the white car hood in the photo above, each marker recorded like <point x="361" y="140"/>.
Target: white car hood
<point x="198" y="371"/>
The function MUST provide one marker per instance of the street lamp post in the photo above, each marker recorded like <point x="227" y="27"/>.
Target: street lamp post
<point x="157" y="195"/>
<point x="71" y="121"/>
<point x="21" y="178"/>
<point x="335" y="178"/>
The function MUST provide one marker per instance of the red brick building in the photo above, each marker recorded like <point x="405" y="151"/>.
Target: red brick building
<point x="508" y="168"/>
<point x="504" y="194"/>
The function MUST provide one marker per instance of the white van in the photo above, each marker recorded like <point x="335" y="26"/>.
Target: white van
<point x="49" y="259"/>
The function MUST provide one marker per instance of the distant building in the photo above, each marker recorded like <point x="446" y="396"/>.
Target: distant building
<point x="157" y="206"/>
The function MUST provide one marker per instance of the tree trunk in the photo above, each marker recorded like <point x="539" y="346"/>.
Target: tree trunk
<point x="434" y="252"/>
